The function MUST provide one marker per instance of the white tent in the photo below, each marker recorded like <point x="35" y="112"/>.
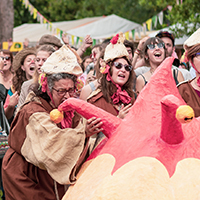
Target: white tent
<point x="35" y="31"/>
<point x="105" y="27"/>
<point x="178" y="41"/>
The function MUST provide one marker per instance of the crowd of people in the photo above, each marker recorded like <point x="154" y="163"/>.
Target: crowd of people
<point x="43" y="157"/>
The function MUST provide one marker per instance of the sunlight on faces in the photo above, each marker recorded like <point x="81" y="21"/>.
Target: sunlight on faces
<point x="120" y="76"/>
<point x="66" y="84"/>
<point x="29" y="66"/>
<point x="40" y="59"/>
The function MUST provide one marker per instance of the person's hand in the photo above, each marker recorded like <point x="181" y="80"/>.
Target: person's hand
<point x="65" y="38"/>
<point x="141" y="43"/>
<point x="13" y="101"/>
<point x="87" y="42"/>
<point x="124" y="111"/>
<point x="93" y="126"/>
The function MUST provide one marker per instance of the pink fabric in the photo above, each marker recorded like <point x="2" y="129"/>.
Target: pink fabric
<point x="67" y="120"/>
<point x="119" y="95"/>
<point x="44" y="83"/>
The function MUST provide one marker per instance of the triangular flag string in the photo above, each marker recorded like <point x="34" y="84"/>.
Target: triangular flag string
<point x="42" y="20"/>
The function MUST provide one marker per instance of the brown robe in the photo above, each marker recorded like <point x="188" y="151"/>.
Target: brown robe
<point x="41" y="156"/>
<point x="190" y="96"/>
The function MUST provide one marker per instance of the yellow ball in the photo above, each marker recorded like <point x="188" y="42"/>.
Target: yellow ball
<point x="56" y="116"/>
<point x="184" y="114"/>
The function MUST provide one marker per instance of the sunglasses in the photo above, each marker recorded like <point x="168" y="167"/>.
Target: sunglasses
<point x="62" y="92"/>
<point x="127" y="67"/>
<point x="153" y="46"/>
<point x="6" y="58"/>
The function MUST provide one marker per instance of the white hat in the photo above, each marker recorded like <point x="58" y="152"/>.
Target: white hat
<point x="116" y="48"/>
<point x="193" y="39"/>
<point x="64" y="60"/>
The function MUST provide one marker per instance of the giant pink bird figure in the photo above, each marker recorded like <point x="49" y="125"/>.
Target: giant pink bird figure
<point x="149" y="154"/>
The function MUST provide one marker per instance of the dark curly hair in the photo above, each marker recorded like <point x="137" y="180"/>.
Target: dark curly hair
<point x="20" y="76"/>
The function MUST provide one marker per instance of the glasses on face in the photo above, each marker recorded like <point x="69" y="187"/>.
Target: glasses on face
<point x="127" y="67"/>
<point x="153" y="46"/>
<point x="6" y="58"/>
<point x="62" y="92"/>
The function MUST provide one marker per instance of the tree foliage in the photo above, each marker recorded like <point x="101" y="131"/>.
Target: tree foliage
<point x="135" y="10"/>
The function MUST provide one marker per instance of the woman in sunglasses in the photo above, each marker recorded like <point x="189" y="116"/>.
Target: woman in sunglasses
<point x="190" y="90"/>
<point x="154" y="53"/>
<point x="6" y="73"/>
<point x="115" y="91"/>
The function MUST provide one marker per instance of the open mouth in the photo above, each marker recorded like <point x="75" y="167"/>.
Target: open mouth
<point x="32" y="68"/>
<point x="121" y="76"/>
<point x="157" y="54"/>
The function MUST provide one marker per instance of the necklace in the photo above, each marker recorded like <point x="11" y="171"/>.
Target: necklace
<point x="152" y="71"/>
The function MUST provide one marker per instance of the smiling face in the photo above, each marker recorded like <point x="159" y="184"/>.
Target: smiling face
<point x="155" y="52"/>
<point x="120" y="76"/>
<point x="61" y="85"/>
<point x="29" y="66"/>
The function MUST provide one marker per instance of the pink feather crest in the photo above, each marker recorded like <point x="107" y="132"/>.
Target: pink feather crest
<point x="114" y="39"/>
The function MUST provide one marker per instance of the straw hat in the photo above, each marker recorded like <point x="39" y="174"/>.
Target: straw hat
<point x="50" y="39"/>
<point x="116" y="48"/>
<point x="64" y="60"/>
<point x="20" y="57"/>
<point x="193" y="39"/>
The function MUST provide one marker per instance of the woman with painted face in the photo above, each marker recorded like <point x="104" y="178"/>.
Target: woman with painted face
<point x="190" y="90"/>
<point x="43" y="157"/>
<point x="42" y="53"/>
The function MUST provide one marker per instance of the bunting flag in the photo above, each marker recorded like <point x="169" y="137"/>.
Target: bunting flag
<point x="133" y="34"/>
<point x="160" y="17"/>
<point x="144" y="28"/>
<point x="127" y="35"/>
<point x="94" y="42"/>
<point x="149" y="24"/>
<point x="154" y="21"/>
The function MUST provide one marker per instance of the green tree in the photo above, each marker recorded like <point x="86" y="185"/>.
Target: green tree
<point x="184" y="14"/>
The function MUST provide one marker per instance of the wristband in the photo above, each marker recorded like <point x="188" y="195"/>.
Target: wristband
<point x="137" y="51"/>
